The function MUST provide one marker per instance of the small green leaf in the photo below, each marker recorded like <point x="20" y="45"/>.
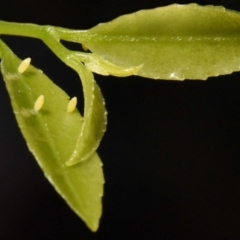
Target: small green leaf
<point x="95" y="118"/>
<point x="51" y="134"/>
<point x="97" y="64"/>
<point x="174" y="42"/>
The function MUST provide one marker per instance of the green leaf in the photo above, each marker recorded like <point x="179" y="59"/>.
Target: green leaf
<point x="174" y="42"/>
<point x="51" y="134"/>
<point x="97" y="64"/>
<point x="95" y="117"/>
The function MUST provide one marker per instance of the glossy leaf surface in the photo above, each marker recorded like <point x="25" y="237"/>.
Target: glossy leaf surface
<point x="175" y="42"/>
<point x="51" y="135"/>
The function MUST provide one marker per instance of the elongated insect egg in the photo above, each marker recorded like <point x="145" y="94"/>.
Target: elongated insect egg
<point x="84" y="48"/>
<point x="72" y="104"/>
<point x="24" y="65"/>
<point x="39" y="103"/>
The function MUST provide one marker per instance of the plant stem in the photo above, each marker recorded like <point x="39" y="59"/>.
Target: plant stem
<point x="51" y="36"/>
<point x="36" y="31"/>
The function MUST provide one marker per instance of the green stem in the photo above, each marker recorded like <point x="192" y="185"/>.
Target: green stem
<point x="51" y="37"/>
<point x="19" y="29"/>
<point x="70" y="35"/>
<point x="36" y="31"/>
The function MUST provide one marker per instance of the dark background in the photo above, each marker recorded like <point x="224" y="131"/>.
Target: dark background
<point x="171" y="151"/>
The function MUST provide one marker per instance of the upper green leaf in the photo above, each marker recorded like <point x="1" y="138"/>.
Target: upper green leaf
<point x="51" y="134"/>
<point x="174" y="42"/>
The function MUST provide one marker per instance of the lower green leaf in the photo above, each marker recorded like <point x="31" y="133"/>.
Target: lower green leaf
<point x="51" y="133"/>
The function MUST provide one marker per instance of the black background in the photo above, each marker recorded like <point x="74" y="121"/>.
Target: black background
<point x="171" y="151"/>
